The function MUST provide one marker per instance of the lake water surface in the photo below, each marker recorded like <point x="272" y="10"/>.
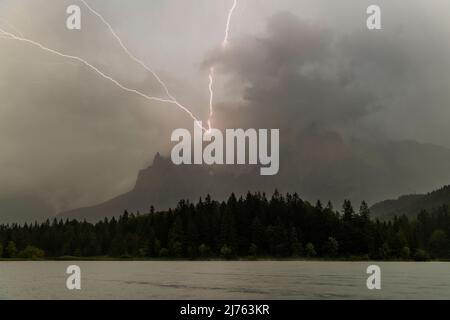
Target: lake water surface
<point x="224" y="280"/>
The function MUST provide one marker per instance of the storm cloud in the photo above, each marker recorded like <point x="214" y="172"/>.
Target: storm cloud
<point x="70" y="138"/>
<point x="374" y="85"/>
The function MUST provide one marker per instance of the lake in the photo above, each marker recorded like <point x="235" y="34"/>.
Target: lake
<point x="224" y="280"/>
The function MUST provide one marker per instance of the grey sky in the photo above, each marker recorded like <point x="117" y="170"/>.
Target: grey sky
<point x="75" y="139"/>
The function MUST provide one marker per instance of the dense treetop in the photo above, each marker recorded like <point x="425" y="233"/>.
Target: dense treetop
<point x="251" y="226"/>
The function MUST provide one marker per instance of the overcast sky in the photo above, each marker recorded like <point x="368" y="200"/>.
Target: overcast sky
<point x="76" y="139"/>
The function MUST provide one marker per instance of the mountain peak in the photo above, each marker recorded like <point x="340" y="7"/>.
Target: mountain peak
<point x="325" y="168"/>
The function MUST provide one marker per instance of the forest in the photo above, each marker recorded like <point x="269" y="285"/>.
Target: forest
<point x="249" y="227"/>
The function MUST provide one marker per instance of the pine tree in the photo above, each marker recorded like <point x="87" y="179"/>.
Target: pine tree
<point x="364" y="211"/>
<point x="348" y="211"/>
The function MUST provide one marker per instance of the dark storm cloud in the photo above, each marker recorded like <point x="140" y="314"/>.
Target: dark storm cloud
<point x="293" y="72"/>
<point x="299" y="74"/>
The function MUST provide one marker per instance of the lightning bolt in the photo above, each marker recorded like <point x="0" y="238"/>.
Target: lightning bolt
<point x="211" y="70"/>
<point x="227" y="28"/>
<point x="12" y="36"/>
<point x="171" y="99"/>
<point x="127" y="51"/>
<point x="211" y="96"/>
<point x="134" y="58"/>
<point x="9" y="25"/>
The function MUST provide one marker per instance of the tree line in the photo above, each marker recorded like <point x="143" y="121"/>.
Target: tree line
<point x="253" y="226"/>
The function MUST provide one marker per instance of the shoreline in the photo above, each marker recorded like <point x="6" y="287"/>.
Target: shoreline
<point x="111" y="259"/>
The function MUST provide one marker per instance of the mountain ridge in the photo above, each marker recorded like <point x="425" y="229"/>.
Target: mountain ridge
<point x="412" y="205"/>
<point x="323" y="167"/>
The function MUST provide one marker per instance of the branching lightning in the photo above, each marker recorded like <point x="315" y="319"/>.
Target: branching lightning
<point x="12" y="36"/>
<point x="170" y="98"/>
<point x="134" y="58"/>
<point x="127" y="51"/>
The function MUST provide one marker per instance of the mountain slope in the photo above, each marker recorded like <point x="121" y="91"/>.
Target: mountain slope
<point x="411" y="205"/>
<point x="323" y="166"/>
<point x="162" y="185"/>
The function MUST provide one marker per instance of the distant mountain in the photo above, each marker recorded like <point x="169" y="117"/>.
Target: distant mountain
<point x="322" y="166"/>
<point x="162" y="185"/>
<point x="411" y="205"/>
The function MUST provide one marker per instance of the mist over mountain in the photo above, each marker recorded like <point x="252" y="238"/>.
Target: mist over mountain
<point x="411" y="205"/>
<point x="24" y="207"/>
<point x="324" y="167"/>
